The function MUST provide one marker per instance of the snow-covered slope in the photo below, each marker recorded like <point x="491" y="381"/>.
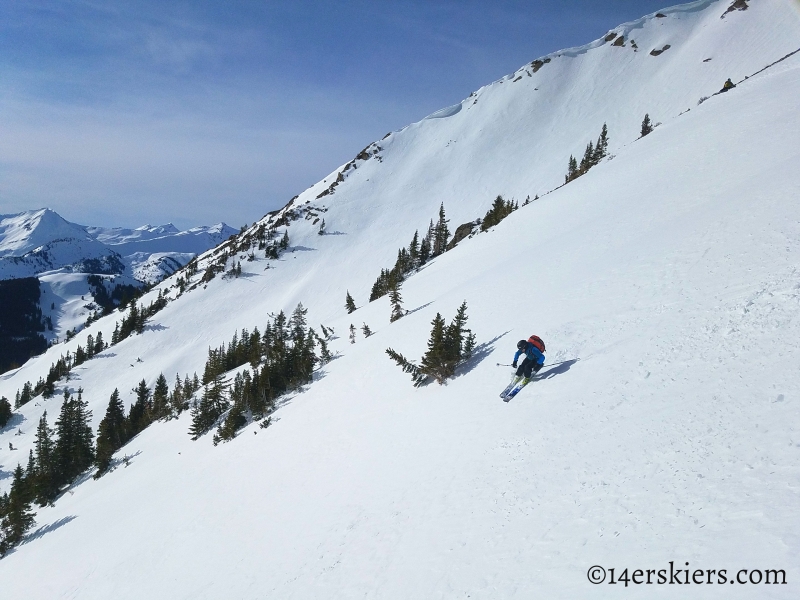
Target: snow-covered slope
<point x="666" y="278"/>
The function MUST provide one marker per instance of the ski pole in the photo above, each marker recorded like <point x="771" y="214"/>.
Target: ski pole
<point x="504" y="365"/>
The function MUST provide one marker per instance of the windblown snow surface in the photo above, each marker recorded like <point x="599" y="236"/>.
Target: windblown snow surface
<point x="667" y="279"/>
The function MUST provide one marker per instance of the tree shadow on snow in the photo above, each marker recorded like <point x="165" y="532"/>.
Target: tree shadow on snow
<point x="14" y="422"/>
<point x="45" y="529"/>
<point x="410" y="312"/>
<point x="481" y="352"/>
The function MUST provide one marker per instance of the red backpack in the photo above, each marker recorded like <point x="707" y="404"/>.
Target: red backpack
<point x="537" y="341"/>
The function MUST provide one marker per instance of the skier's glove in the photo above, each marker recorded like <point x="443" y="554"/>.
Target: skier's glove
<point x="514" y="364"/>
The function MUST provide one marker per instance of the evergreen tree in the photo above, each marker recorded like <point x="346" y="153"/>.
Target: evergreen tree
<point x="161" y="406"/>
<point x="99" y="345"/>
<point x="441" y="233"/>
<point x="647" y="126"/>
<point x="284" y="244"/>
<point x="396" y="301"/>
<point x="74" y="439"/>
<point x="349" y="303"/>
<point x="448" y="347"/>
<point x="352" y="334"/>
<point x="500" y="210"/>
<point x="46" y="484"/>
<point x="366" y="330"/>
<point x="324" y="354"/>
<point x="176" y="398"/>
<point x="425" y="246"/>
<point x="235" y="419"/>
<point x="140" y="414"/>
<point x="413" y="250"/>
<point x="25" y="396"/>
<point x="111" y="435"/>
<point x="80" y="355"/>
<point x="435" y="362"/>
<point x="601" y="147"/>
<point x="587" y="160"/>
<point x="5" y="411"/>
<point x="210" y="408"/>
<point x="18" y="515"/>
<point x="572" y="170"/>
<point x="322" y="228"/>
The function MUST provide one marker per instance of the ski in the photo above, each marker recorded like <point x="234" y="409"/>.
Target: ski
<point x="516" y="390"/>
<point x="514" y="381"/>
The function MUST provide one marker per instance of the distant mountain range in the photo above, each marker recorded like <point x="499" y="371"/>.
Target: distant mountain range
<point x="40" y="241"/>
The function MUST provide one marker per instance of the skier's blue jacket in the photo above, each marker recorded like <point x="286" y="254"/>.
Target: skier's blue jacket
<point x="532" y="353"/>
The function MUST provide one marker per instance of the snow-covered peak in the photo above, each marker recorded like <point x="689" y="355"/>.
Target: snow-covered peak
<point x="26" y="231"/>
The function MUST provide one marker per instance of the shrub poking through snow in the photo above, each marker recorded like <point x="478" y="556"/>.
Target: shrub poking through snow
<point x="448" y="347"/>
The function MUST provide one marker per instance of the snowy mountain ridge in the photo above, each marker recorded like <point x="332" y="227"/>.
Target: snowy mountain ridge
<point x="36" y="241"/>
<point x="665" y="284"/>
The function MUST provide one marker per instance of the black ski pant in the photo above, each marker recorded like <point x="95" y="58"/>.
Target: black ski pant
<point x="527" y="366"/>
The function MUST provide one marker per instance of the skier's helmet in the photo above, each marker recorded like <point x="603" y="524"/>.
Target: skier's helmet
<point x="521" y="345"/>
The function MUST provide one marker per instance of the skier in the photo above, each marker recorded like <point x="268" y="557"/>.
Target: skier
<point x="533" y="349"/>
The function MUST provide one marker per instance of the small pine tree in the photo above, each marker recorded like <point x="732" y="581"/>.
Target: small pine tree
<point x="448" y="347"/>
<point x="325" y="355"/>
<point x="413" y="250"/>
<point x="5" y="411"/>
<point x="397" y="307"/>
<point x="587" y="160"/>
<point x="18" y="515"/>
<point x="647" y="126"/>
<point x="500" y="210"/>
<point x="210" y="408"/>
<point x="46" y="485"/>
<point x="177" y="402"/>
<point x="425" y="247"/>
<point x="161" y="407"/>
<point x="74" y="446"/>
<point x="349" y="303"/>
<point x="352" y="334"/>
<point x="111" y="434"/>
<point x="572" y="169"/>
<point x="99" y="344"/>
<point x="441" y="233"/>
<point x="366" y="330"/>
<point x="140" y="414"/>
<point x="601" y="147"/>
<point x="321" y="228"/>
<point x="435" y="362"/>
<point x="284" y="243"/>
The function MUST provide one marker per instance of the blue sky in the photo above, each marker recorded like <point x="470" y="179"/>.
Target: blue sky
<point x="125" y="113"/>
